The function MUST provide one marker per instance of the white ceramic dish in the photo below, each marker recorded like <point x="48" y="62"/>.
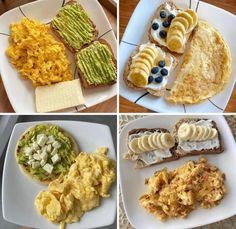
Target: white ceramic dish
<point x="20" y="92"/>
<point x="136" y="34"/>
<point x="132" y="186"/>
<point x="19" y="190"/>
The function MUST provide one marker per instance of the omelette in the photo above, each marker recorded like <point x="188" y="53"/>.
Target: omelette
<point x="206" y="67"/>
<point x="70" y="196"/>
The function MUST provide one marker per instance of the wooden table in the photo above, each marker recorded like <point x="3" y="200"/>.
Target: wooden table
<point x="126" y="10"/>
<point x="5" y="106"/>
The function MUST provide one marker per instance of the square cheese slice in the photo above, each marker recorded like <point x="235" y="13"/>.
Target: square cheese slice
<point x="59" y="96"/>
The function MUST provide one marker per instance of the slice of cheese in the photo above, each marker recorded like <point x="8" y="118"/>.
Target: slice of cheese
<point x="59" y="96"/>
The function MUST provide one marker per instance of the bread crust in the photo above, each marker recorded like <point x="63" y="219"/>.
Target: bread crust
<point x="183" y="153"/>
<point x="139" y="164"/>
<point x="55" y="30"/>
<point x="25" y="170"/>
<point x="83" y="80"/>
<point x="157" y="93"/>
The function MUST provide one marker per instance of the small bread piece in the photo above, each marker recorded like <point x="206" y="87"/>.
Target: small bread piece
<point x="59" y="96"/>
<point x="170" y="8"/>
<point x="157" y="89"/>
<point x="73" y="26"/>
<point x="96" y="65"/>
<point x="181" y="153"/>
<point x="134" y="157"/>
<point x="206" y="67"/>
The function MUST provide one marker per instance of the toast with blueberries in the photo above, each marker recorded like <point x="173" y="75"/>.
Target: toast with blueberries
<point x="149" y="68"/>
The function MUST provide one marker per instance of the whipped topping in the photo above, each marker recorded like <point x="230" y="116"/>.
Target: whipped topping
<point x="202" y="145"/>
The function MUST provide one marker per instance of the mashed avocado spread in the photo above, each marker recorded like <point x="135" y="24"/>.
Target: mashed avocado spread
<point x="45" y="152"/>
<point x="96" y="63"/>
<point x="74" y="26"/>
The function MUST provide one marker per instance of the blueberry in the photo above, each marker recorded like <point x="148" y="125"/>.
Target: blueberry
<point x="162" y="14"/>
<point x="162" y="63"/>
<point x="155" y="26"/>
<point x="164" y="72"/>
<point x="150" y="79"/>
<point x="166" y="24"/>
<point x="159" y="79"/>
<point x="171" y="17"/>
<point x="155" y="70"/>
<point x="163" y="34"/>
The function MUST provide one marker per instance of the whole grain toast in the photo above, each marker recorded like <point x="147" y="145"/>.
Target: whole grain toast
<point x="141" y="164"/>
<point x="182" y="153"/>
<point x="55" y="30"/>
<point x="157" y="93"/>
<point x="84" y="82"/>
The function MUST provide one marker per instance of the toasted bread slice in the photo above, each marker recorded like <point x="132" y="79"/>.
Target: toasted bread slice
<point x="156" y="89"/>
<point x="59" y="29"/>
<point x="139" y="163"/>
<point x="98" y="77"/>
<point x="181" y="152"/>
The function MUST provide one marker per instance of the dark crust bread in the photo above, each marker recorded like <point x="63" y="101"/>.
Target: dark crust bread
<point x="25" y="169"/>
<point x="127" y="71"/>
<point x="81" y="74"/>
<point x="139" y="164"/>
<point x="218" y="150"/>
<point x="157" y="15"/>
<point x="55" y="30"/>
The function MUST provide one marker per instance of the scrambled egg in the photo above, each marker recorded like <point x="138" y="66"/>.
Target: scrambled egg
<point x="36" y="54"/>
<point x="176" y="193"/>
<point x="70" y="196"/>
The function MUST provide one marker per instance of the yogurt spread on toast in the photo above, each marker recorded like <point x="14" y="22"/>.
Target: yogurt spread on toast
<point x="210" y="143"/>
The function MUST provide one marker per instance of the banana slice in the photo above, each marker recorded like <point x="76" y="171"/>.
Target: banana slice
<point x="175" y="33"/>
<point x="142" y="149"/>
<point x="141" y="67"/>
<point x="176" y="25"/>
<point x="175" y="43"/>
<point x="147" y="57"/>
<point x="150" y="142"/>
<point x="150" y="51"/>
<point x="185" y="131"/>
<point x="133" y="145"/>
<point x="213" y="133"/>
<point x="167" y="140"/>
<point x="144" y="143"/>
<point x="199" y="133"/>
<point x="183" y="21"/>
<point x="194" y="132"/>
<point x="157" y="140"/>
<point x="194" y="16"/>
<point x="139" y="77"/>
<point x="206" y="137"/>
<point x="143" y="61"/>
<point x="187" y="17"/>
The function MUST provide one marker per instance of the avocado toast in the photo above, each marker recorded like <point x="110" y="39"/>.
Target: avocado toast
<point x="45" y="152"/>
<point x="73" y="26"/>
<point x="96" y="65"/>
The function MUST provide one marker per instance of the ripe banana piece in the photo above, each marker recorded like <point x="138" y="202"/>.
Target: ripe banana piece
<point x="175" y="43"/>
<point x="145" y="144"/>
<point x="139" y="77"/>
<point x="191" y="132"/>
<point x="133" y="145"/>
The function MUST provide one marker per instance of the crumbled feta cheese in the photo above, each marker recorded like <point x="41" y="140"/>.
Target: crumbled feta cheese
<point x="54" y="152"/>
<point x="30" y="161"/>
<point x="55" y="158"/>
<point x="42" y="139"/>
<point x="49" y="148"/>
<point x="28" y="150"/>
<point x="37" y="157"/>
<point x="48" y="168"/>
<point x="35" y="146"/>
<point x="30" y="157"/>
<point x="43" y="162"/>
<point x="39" y="151"/>
<point x="50" y="140"/>
<point x="56" y="144"/>
<point x="44" y="156"/>
<point x="35" y="164"/>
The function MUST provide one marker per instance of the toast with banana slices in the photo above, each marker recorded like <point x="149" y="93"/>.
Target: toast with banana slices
<point x="150" y="146"/>
<point x="196" y="136"/>
<point x="171" y="27"/>
<point x="149" y="68"/>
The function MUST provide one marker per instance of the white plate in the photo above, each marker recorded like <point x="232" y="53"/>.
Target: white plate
<point x="20" y="92"/>
<point x="132" y="186"/>
<point x="19" y="191"/>
<point x="136" y="34"/>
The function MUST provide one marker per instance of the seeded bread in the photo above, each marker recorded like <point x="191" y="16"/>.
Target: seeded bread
<point x="84" y="82"/>
<point x="141" y="164"/>
<point x="182" y="153"/>
<point x="157" y="93"/>
<point x="55" y="30"/>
